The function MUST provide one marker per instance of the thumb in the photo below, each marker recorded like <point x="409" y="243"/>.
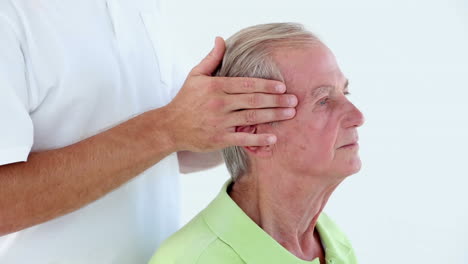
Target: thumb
<point x="212" y="60"/>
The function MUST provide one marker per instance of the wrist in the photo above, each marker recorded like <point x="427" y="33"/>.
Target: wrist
<point x="163" y="133"/>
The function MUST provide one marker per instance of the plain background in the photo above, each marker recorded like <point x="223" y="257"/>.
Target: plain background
<point x="407" y="62"/>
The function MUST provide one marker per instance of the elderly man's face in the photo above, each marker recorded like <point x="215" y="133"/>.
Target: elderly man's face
<point x="322" y="138"/>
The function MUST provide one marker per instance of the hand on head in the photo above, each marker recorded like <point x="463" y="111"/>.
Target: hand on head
<point x="206" y="111"/>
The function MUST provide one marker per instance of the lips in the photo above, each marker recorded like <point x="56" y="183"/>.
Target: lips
<point x="351" y="140"/>
<point x="350" y="145"/>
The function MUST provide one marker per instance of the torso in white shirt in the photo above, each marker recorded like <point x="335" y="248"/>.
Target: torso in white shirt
<point x="88" y="65"/>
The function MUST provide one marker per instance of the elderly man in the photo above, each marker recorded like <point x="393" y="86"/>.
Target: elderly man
<point x="271" y="210"/>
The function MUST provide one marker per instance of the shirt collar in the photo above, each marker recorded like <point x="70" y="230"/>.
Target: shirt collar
<point x="227" y="220"/>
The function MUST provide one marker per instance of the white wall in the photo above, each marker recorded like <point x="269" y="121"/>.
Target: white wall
<point x="407" y="62"/>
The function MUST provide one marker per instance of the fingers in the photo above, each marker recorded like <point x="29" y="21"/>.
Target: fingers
<point x="237" y="85"/>
<point x="247" y="139"/>
<point x="260" y="116"/>
<point x="259" y="100"/>
<point x="212" y="60"/>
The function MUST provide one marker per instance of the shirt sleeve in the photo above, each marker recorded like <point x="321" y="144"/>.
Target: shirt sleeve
<point x="16" y="127"/>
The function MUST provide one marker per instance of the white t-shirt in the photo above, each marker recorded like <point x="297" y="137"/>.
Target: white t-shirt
<point x="70" y="69"/>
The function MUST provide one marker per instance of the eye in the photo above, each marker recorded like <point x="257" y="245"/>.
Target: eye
<point x="323" y="101"/>
<point x="347" y="93"/>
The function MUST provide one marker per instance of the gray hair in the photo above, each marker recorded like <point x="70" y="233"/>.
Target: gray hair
<point x="249" y="54"/>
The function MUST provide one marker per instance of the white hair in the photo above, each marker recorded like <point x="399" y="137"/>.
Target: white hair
<point x="249" y="54"/>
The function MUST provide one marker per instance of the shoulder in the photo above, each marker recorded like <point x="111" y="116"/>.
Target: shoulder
<point x="195" y="243"/>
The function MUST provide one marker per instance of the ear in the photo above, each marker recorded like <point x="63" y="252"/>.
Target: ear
<point x="255" y="150"/>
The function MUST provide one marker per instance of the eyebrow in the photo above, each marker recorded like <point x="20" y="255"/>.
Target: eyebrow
<point x="326" y="89"/>
<point x="321" y="90"/>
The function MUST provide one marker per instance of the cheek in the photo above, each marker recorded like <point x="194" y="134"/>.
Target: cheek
<point x="316" y="134"/>
<point x="306" y="144"/>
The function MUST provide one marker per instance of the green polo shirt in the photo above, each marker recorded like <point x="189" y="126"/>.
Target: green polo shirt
<point x="223" y="234"/>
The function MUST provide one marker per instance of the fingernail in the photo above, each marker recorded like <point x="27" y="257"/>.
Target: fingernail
<point x="289" y="112"/>
<point x="292" y="100"/>
<point x="280" y="88"/>
<point x="271" y="140"/>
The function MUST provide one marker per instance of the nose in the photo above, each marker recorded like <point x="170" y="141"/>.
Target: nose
<point x="354" y="117"/>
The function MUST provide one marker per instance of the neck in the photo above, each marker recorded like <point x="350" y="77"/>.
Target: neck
<point x="286" y="207"/>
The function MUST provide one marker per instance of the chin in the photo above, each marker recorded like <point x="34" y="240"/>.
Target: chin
<point x="351" y="167"/>
<point x="355" y="167"/>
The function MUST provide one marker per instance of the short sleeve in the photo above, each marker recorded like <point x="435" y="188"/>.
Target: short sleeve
<point x="16" y="127"/>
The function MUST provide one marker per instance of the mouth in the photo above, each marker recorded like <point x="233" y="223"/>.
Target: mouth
<point x="351" y="145"/>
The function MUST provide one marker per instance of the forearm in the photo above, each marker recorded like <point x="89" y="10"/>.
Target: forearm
<point x="53" y="183"/>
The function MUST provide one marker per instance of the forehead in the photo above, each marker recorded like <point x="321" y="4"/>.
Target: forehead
<point x="309" y="68"/>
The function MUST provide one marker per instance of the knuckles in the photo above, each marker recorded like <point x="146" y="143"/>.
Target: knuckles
<point x="213" y="85"/>
<point x="254" y="100"/>
<point x="281" y="100"/>
<point x="248" y="85"/>
<point x="203" y="84"/>
<point x="216" y="139"/>
<point x="250" y="117"/>
<point x="216" y="104"/>
<point x="213" y="122"/>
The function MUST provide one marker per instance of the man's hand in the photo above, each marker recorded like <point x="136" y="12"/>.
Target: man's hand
<point x="205" y="112"/>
